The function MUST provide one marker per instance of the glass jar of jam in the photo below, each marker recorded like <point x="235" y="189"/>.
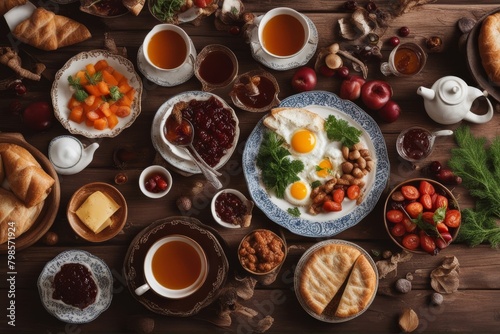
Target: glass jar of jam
<point x="416" y="143"/>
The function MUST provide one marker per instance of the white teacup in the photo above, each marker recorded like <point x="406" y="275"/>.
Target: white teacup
<point x="283" y="32"/>
<point x="167" y="47"/>
<point x="175" y="267"/>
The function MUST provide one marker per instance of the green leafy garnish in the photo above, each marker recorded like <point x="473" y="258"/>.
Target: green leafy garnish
<point x="165" y="10"/>
<point x="479" y="167"/>
<point x="294" y="211"/>
<point x="94" y="78"/>
<point x="278" y="170"/>
<point x="431" y="229"/>
<point x="340" y="130"/>
<point x="315" y="184"/>
<point x="115" y="93"/>
<point x="80" y="94"/>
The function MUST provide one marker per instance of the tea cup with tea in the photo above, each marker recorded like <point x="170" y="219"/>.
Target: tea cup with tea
<point x="283" y="32"/>
<point x="405" y="60"/>
<point x="216" y="67"/>
<point x="174" y="267"/>
<point x="167" y="47"/>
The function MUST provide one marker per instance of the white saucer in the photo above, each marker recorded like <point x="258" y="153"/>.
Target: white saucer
<point x="283" y="64"/>
<point x="18" y="14"/>
<point x="166" y="79"/>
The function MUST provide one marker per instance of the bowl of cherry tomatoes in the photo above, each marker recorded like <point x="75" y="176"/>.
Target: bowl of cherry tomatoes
<point x="422" y="216"/>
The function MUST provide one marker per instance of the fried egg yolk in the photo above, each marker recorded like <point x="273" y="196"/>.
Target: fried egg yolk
<point x="324" y="168"/>
<point x="298" y="193"/>
<point x="303" y="141"/>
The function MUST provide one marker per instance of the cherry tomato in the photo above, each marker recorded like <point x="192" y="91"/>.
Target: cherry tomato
<point x="411" y="241"/>
<point x="410" y="192"/>
<point x="426" y="201"/>
<point x="414" y="209"/>
<point x="353" y="192"/>
<point x="446" y="236"/>
<point x="338" y="195"/>
<point x="439" y="202"/>
<point x="452" y="218"/>
<point x="394" y="216"/>
<point x="398" y="230"/>
<point x="440" y="243"/>
<point x="202" y="3"/>
<point x="428" y="217"/>
<point x="426" y="187"/>
<point x="441" y="227"/>
<point x="427" y="244"/>
<point x="409" y="225"/>
<point x="330" y="206"/>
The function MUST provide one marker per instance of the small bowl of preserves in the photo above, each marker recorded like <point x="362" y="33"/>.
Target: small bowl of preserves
<point x="155" y="181"/>
<point x="261" y="252"/>
<point x="255" y="91"/>
<point x="416" y="143"/>
<point x="216" y="66"/>
<point x="422" y="216"/>
<point x="231" y="209"/>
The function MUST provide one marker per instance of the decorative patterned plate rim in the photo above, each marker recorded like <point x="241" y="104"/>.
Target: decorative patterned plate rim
<point x="61" y="92"/>
<point x="301" y="263"/>
<point x="286" y="63"/>
<point x="312" y="227"/>
<point x="170" y="153"/>
<point x="216" y="277"/>
<point x="67" y="313"/>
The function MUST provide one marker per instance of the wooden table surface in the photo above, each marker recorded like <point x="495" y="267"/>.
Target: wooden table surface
<point x="474" y="307"/>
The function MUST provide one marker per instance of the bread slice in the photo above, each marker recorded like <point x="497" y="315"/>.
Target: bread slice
<point x="324" y="273"/>
<point x="48" y="31"/>
<point x="294" y="118"/>
<point x="359" y="289"/>
<point x="134" y="6"/>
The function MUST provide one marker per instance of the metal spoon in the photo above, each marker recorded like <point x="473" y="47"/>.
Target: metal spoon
<point x="209" y="173"/>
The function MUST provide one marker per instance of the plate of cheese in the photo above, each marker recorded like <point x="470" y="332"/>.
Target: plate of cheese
<point x="97" y="211"/>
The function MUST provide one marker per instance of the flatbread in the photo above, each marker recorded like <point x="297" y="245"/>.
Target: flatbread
<point x="359" y="289"/>
<point x="324" y="273"/>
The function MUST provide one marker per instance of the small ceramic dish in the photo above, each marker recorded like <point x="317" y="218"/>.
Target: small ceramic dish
<point x="118" y="219"/>
<point x="402" y="229"/>
<point x="216" y="66"/>
<point x="244" y="206"/>
<point x="67" y="313"/>
<point x="255" y="91"/>
<point x="250" y="241"/>
<point x="151" y="172"/>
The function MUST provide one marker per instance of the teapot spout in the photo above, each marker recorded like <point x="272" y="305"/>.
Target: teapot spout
<point x="89" y="150"/>
<point x="426" y="93"/>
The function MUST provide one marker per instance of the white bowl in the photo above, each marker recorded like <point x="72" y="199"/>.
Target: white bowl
<point x="214" y="213"/>
<point x="150" y="171"/>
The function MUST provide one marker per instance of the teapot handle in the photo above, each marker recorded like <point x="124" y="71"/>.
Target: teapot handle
<point x="474" y="118"/>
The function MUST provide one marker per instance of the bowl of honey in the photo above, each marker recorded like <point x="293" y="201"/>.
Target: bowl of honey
<point x="255" y="91"/>
<point x="216" y="66"/>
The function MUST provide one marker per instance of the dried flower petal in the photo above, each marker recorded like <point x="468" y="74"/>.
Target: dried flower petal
<point x="445" y="278"/>
<point x="387" y="266"/>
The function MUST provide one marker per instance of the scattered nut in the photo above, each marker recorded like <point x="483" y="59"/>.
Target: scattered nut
<point x="121" y="178"/>
<point x="50" y="238"/>
<point x="386" y="254"/>
<point x="436" y="299"/>
<point x="434" y="43"/>
<point x="409" y="277"/>
<point x="198" y="188"/>
<point x="403" y="285"/>
<point x="466" y="24"/>
<point x="408" y="321"/>
<point x="184" y="203"/>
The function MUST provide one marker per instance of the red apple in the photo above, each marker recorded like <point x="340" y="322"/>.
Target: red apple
<point x="304" y="79"/>
<point x="389" y="112"/>
<point x="326" y="71"/>
<point x="38" y="116"/>
<point x="350" y="89"/>
<point x="375" y="94"/>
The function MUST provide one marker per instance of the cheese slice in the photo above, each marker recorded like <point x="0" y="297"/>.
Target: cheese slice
<point x="96" y="211"/>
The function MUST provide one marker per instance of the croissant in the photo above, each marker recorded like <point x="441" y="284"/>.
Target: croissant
<point x="48" y="31"/>
<point x="134" y="6"/>
<point x="26" y="178"/>
<point x="15" y="216"/>
<point x="7" y="5"/>
<point x="489" y="46"/>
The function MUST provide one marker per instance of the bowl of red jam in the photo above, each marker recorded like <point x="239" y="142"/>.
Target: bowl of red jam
<point x="231" y="209"/>
<point x="155" y="181"/>
<point x="255" y="91"/>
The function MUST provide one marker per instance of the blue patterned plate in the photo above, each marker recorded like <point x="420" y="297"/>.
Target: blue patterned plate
<point x="323" y="224"/>
<point x="68" y="313"/>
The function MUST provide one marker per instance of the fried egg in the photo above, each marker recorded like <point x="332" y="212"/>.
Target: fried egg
<point x="298" y="193"/>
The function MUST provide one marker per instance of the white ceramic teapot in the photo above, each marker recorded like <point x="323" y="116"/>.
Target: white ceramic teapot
<point x="450" y="99"/>
<point x="68" y="155"/>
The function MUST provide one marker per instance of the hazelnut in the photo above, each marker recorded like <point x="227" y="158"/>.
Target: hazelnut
<point x="434" y="43"/>
<point x="50" y="238"/>
<point x="121" y="178"/>
<point x="403" y="285"/>
<point x="184" y="203"/>
<point x="386" y="254"/>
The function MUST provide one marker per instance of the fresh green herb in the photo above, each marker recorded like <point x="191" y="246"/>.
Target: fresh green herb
<point x="431" y="229"/>
<point x="278" y="170"/>
<point x="315" y="184"/>
<point x="165" y="10"/>
<point x="94" y="78"/>
<point x="294" y="211"/>
<point x="80" y="94"/>
<point x="479" y="167"/>
<point x="340" y="130"/>
<point x="115" y="93"/>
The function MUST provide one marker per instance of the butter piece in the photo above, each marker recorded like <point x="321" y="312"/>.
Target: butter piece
<point x="96" y="211"/>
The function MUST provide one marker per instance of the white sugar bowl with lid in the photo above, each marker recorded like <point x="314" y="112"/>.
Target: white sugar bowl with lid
<point x="68" y="155"/>
<point x="450" y="99"/>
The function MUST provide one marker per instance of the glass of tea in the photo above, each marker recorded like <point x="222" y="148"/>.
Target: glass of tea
<point x="175" y="267"/>
<point x="283" y="32"/>
<point x="405" y="60"/>
<point x="167" y="47"/>
<point x="216" y="67"/>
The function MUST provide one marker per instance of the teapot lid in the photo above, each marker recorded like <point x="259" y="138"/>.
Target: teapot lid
<point x="452" y="90"/>
<point x="65" y="151"/>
